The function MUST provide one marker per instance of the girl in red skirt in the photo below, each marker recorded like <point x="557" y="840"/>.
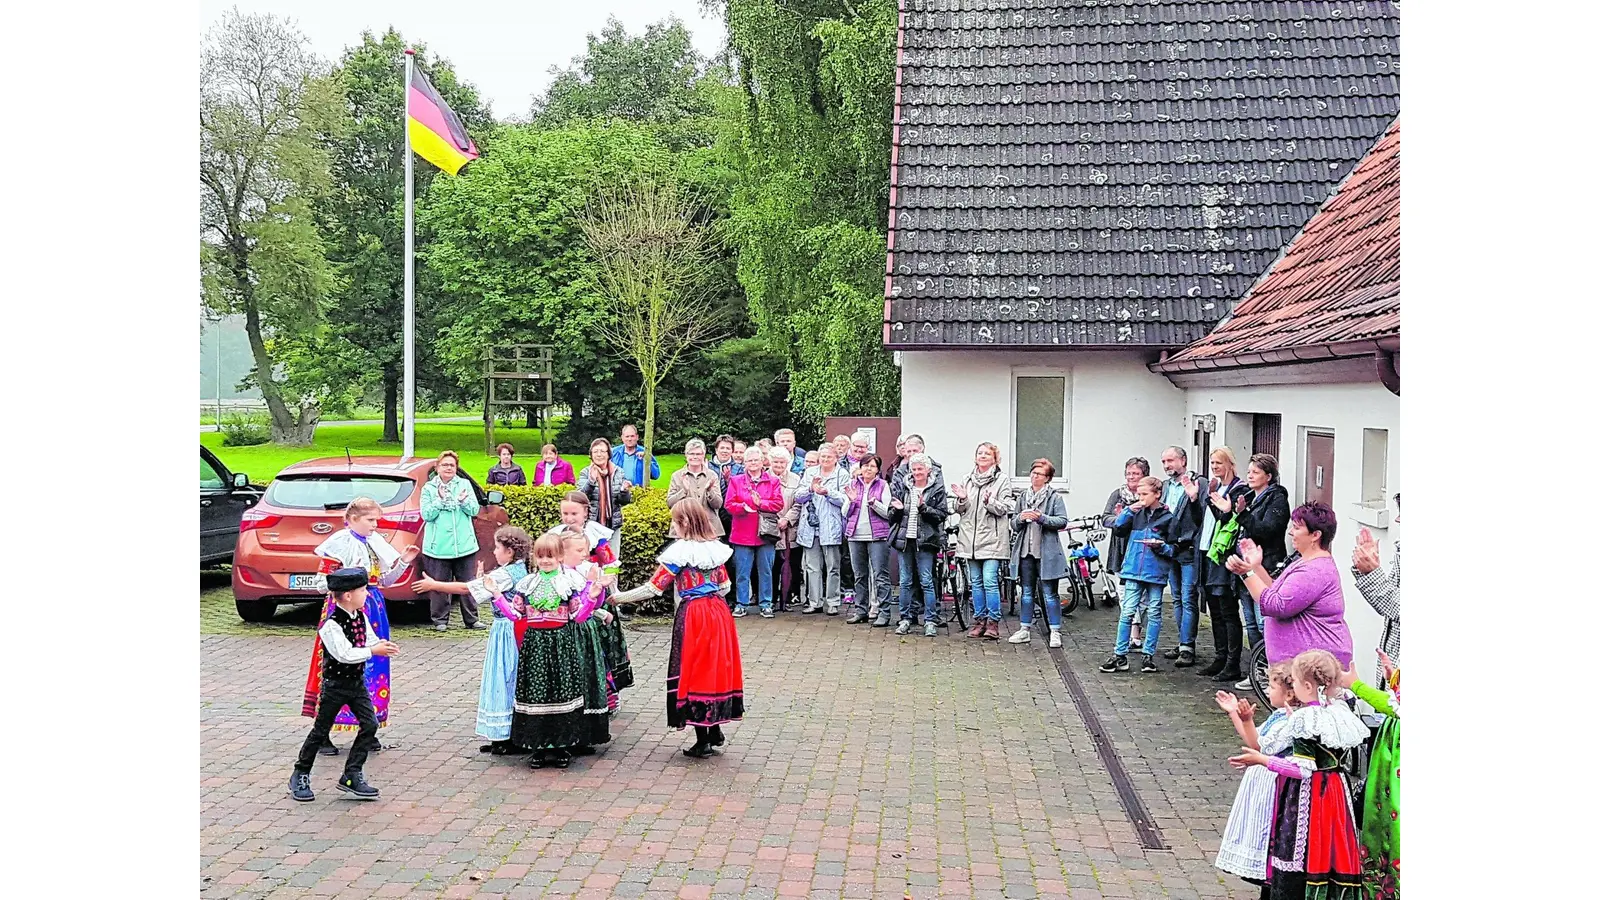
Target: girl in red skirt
<point x="705" y="679"/>
<point x="1312" y="852"/>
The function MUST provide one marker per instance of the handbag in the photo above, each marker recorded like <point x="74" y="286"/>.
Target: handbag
<point x="768" y="526"/>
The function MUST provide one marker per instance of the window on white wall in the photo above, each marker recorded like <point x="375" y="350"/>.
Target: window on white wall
<point x="1041" y="422"/>
<point x="1374" y="466"/>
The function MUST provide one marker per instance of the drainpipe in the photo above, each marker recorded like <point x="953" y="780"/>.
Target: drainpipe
<point x="1388" y="373"/>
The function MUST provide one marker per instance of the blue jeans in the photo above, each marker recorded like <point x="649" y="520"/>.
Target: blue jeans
<point x="915" y="561"/>
<point x="1250" y="611"/>
<point x="1138" y="595"/>
<point x="1185" y="605"/>
<point x="984" y="576"/>
<point x="1028" y="574"/>
<point x="760" y="559"/>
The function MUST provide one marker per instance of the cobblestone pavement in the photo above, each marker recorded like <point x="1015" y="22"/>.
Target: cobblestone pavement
<point x="868" y="765"/>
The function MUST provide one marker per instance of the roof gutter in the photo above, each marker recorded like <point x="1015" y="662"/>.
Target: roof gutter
<point x="1388" y="346"/>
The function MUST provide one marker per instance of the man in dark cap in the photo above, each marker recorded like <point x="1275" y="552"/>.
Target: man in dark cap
<point x="345" y="651"/>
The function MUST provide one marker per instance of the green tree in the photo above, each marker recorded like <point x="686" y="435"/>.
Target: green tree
<point x="656" y="79"/>
<point x="809" y="214"/>
<point x="262" y="106"/>
<point x="364" y="215"/>
<point x="504" y="241"/>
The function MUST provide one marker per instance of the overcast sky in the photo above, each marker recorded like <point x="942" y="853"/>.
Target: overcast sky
<point x="506" y="49"/>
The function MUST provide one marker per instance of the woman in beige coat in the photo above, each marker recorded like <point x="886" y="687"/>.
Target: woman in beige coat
<point x="983" y="501"/>
<point x="696" y="480"/>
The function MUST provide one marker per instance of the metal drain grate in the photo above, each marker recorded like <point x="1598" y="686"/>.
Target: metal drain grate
<point x="1149" y="835"/>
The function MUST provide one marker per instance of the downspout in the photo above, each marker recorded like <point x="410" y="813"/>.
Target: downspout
<point x="1388" y="372"/>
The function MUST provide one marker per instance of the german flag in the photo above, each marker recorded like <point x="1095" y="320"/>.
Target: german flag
<point x="436" y="132"/>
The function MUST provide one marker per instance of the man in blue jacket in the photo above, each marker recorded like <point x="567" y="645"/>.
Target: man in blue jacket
<point x="1186" y="496"/>
<point x="630" y="458"/>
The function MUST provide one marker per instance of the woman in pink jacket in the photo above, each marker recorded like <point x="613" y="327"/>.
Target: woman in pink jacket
<point x="752" y="495"/>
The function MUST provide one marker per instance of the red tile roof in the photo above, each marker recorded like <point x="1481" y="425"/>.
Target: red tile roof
<point x="1338" y="282"/>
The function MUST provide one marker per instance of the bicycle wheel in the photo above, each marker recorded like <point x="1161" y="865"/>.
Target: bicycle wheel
<point x="1256" y="666"/>
<point x="1071" y="595"/>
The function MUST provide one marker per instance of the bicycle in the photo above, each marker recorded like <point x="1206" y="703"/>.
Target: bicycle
<point x="1084" y="570"/>
<point x="951" y="574"/>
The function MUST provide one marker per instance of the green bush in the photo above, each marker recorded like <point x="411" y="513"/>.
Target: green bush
<point x="644" y="527"/>
<point x="244" y="433"/>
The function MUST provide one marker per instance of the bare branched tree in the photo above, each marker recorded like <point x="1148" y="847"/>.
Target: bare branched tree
<point x="262" y="100"/>
<point x="652" y="258"/>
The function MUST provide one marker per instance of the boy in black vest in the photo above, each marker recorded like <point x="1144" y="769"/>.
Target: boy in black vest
<point x="345" y="652"/>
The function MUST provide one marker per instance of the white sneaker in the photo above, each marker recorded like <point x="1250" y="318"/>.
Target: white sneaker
<point x="1055" y="637"/>
<point x="1022" y="636"/>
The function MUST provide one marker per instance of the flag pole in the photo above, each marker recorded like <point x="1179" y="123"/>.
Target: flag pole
<point x="409" y="440"/>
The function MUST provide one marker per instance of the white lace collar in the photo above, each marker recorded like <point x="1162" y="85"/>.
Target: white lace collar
<point x="1332" y="725"/>
<point x="696" y="554"/>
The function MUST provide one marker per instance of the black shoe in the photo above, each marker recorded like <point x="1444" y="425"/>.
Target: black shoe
<point x="491" y="748"/>
<point x="1185" y="659"/>
<point x="1149" y="664"/>
<point x="1115" y="663"/>
<point x="717" y="740"/>
<point x="1229" y="673"/>
<point x="376" y="747"/>
<point x="300" y="787"/>
<point x="1216" y="666"/>
<point x="536" y="761"/>
<point x="1170" y="654"/>
<point x="328" y="749"/>
<point x="699" y="750"/>
<point x="558" y="759"/>
<point x="357" y="786"/>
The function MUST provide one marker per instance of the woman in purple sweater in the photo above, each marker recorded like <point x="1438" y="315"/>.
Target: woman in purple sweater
<point x="1304" y="608"/>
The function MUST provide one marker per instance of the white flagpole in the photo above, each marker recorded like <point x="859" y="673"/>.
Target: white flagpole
<point x="410" y="439"/>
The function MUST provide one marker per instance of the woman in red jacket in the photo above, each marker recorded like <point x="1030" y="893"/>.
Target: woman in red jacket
<point x="753" y="494"/>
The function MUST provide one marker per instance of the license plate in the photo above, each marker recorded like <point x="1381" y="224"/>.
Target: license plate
<point x="304" y="583"/>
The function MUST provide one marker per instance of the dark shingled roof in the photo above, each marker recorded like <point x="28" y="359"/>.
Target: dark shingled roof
<point x="1337" y="285"/>
<point x="1109" y="173"/>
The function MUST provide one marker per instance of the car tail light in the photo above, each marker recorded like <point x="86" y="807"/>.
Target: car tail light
<point x="409" y="521"/>
<point x="255" y="518"/>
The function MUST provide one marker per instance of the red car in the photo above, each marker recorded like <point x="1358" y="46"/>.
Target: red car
<point x="275" y="560"/>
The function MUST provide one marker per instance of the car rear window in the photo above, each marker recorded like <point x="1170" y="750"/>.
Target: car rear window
<point x="325" y="491"/>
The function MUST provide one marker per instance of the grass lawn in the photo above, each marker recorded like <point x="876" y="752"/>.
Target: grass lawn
<point x="209" y="417"/>
<point x="264" y="461"/>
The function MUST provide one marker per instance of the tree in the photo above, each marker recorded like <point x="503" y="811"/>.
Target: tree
<point x="504" y="241"/>
<point x="363" y="217"/>
<point x="809" y="215"/>
<point x="262" y="103"/>
<point x="651" y="261"/>
<point x="656" y="79"/>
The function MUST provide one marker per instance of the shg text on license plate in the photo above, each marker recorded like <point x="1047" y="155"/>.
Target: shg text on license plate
<point x="304" y="583"/>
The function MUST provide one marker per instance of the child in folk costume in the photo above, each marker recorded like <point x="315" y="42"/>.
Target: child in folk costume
<point x="705" y="678"/>
<point x="1380" y="818"/>
<point x="495" y="590"/>
<point x="605" y="551"/>
<point x="346" y="645"/>
<point x="547" y="715"/>
<point x="599" y="690"/>
<point x="359" y="546"/>
<point x="1244" y="841"/>
<point x="1312" y="851"/>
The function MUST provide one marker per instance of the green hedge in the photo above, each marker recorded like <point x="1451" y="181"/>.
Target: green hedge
<point x="644" y="525"/>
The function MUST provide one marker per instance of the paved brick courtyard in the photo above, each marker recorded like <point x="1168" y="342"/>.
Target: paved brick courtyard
<point x="868" y="765"/>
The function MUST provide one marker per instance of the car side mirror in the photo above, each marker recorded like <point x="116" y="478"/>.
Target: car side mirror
<point x="241" y="480"/>
<point x="496" y="498"/>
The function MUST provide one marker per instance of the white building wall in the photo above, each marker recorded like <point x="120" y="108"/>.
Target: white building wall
<point x="1345" y="410"/>
<point x="1115" y="408"/>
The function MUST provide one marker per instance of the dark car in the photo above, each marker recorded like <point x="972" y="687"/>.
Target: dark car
<point x="224" y="498"/>
<point x="277" y="561"/>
